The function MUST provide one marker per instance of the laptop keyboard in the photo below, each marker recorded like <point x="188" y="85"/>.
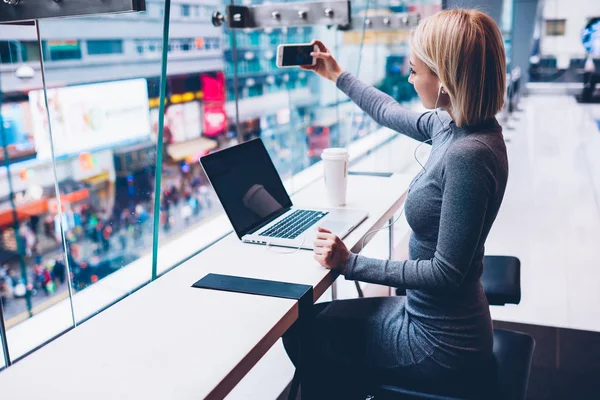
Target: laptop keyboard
<point x="294" y="224"/>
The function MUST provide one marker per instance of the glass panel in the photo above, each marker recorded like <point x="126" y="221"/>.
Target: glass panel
<point x="293" y="111"/>
<point x="30" y="276"/>
<point x="298" y="114"/>
<point x="103" y="92"/>
<point x="103" y="120"/>
<point x="195" y="124"/>
<point x="379" y="58"/>
<point x="65" y="257"/>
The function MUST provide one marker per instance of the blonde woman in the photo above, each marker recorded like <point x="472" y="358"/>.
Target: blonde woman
<point x="438" y="338"/>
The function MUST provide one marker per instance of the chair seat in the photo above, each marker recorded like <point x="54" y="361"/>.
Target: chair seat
<point x="501" y="280"/>
<point x="513" y="352"/>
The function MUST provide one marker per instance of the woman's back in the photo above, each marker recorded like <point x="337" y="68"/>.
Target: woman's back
<point x="455" y="317"/>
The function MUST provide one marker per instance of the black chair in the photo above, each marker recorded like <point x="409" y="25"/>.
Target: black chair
<point x="501" y="280"/>
<point x="513" y="351"/>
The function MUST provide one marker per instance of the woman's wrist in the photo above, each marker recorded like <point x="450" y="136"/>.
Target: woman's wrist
<point x="336" y="75"/>
<point x="344" y="262"/>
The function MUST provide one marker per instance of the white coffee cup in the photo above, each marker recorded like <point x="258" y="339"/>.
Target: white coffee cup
<point x="335" y="166"/>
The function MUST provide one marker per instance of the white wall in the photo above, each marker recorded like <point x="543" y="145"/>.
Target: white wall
<point x="577" y="13"/>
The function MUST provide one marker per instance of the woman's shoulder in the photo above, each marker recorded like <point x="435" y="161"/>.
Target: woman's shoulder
<point x="477" y="149"/>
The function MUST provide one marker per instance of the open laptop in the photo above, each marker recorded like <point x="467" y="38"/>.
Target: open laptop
<point x="258" y="205"/>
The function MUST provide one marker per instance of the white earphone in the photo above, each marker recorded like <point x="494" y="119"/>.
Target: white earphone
<point x="440" y="92"/>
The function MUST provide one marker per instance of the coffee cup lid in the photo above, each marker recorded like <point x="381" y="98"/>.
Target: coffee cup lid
<point x="335" y="153"/>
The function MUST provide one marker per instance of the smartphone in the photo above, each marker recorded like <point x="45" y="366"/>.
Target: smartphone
<point x="294" y="55"/>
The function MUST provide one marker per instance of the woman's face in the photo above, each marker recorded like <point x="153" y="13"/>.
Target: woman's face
<point x="426" y="83"/>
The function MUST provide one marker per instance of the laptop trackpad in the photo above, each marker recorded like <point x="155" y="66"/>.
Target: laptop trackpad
<point x="337" y="227"/>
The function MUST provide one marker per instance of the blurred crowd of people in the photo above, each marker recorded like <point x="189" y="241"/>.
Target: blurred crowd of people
<point x="43" y="278"/>
<point x="93" y="233"/>
<point x="184" y="200"/>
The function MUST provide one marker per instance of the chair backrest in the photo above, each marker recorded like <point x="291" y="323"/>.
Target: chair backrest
<point x="501" y="280"/>
<point x="514" y="354"/>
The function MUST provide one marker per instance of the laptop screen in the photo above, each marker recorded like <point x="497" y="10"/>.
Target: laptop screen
<point x="247" y="184"/>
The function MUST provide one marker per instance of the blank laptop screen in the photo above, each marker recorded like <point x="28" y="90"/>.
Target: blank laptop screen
<point x="247" y="184"/>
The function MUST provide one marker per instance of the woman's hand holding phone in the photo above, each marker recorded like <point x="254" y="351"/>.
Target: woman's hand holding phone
<point x="326" y="65"/>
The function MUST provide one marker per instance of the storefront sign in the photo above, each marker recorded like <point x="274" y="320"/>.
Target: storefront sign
<point x="215" y="119"/>
<point x="90" y="117"/>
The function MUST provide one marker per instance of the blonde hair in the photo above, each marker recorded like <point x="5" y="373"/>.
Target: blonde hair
<point x="464" y="48"/>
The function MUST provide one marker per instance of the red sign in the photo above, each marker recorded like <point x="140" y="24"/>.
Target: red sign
<point x="213" y="86"/>
<point x="215" y="119"/>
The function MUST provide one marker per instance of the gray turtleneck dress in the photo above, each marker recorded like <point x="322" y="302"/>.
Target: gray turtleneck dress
<point x="443" y="324"/>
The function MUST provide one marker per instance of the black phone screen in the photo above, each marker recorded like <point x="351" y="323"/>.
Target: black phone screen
<point x="297" y="55"/>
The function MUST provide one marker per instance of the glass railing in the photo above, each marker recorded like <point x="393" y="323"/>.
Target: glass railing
<point x="97" y="199"/>
<point x="80" y="150"/>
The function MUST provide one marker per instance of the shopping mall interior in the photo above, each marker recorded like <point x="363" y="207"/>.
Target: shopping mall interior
<point x="111" y="226"/>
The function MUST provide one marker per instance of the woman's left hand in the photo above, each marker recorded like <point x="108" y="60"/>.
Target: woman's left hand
<point x="330" y="251"/>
